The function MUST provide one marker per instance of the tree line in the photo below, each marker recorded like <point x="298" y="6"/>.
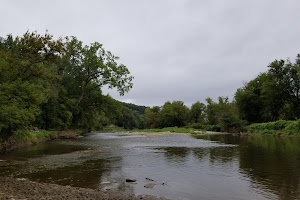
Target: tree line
<point x="215" y="116"/>
<point x="271" y="96"/>
<point x="55" y="84"/>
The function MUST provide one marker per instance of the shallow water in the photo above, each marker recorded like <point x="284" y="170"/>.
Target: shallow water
<point x="182" y="166"/>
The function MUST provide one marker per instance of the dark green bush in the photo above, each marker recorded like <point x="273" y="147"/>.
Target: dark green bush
<point x="278" y="127"/>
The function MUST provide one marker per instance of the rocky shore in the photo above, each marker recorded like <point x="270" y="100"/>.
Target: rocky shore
<point x="21" y="189"/>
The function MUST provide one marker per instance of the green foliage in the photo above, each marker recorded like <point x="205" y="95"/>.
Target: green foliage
<point x="174" y="114"/>
<point x="197" y="113"/>
<point x="273" y="95"/>
<point x="26" y="71"/>
<point x="113" y="129"/>
<point x="152" y="117"/>
<point x="277" y="127"/>
<point x="56" y="84"/>
<point x="127" y="120"/>
<point x="205" y="127"/>
<point x="168" y="129"/>
<point x="224" y="114"/>
<point x="33" y="137"/>
<point x="215" y="128"/>
<point x="135" y="108"/>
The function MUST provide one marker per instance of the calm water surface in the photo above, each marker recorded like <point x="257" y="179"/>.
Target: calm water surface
<point x="181" y="166"/>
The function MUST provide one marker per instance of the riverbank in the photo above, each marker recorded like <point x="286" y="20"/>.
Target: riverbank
<point x="27" y="138"/>
<point x="174" y="133"/>
<point x="166" y="130"/>
<point x="11" y="188"/>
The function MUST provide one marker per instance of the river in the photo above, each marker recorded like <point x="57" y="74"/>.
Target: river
<point x="182" y="166"/>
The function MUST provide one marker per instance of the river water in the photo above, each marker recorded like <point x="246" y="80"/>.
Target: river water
<point x="181" y="166"/>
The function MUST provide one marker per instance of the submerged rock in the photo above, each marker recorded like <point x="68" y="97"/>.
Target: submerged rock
<point x="130" y="180"/>
<point x="150" y="185"/>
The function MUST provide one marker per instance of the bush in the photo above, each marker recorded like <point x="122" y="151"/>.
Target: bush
<point x="293" y="127"/>
<point x="195" y="126"/>
<point x="215" y="128"/>
<point x="278" y="127"/>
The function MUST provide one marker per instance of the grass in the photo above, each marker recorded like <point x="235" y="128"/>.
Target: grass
<point x="170" y="130"/>
<point x="34" y="137"/>
<point x="25" y="137"/>
<point x="188" y="129"/>
<point x="280" y="127"/>
<point x="113" y="129"/>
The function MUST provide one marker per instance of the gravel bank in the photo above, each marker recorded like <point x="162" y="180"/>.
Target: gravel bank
<point x="11" y="188"/>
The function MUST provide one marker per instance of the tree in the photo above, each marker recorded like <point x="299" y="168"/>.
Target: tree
<point x="272" y="95"/>
<point x="174" y="114"/>
<point x="152" y="117"/>
<point x="127" y="120"/>
<point x="197" y="113"/>
<point x="249" y="101"/>
<point x="55" y="84"/>
<point x="26" y="73"/>
<point x="89" y="68"/>
<point x="224" y="114"/>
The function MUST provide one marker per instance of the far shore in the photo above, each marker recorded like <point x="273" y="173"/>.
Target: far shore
<point x="175" y="133"/>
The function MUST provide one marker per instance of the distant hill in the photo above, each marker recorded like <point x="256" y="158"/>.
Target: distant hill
<point x="135" y="108"/>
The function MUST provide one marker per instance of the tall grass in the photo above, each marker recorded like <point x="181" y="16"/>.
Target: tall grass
<point x="34" y="137"/>
<point x="276" y="128"/>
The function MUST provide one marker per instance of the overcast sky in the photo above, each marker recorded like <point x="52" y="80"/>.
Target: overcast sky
<point x="176" y="49"/>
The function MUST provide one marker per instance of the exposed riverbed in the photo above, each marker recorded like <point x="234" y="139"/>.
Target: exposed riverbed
<point x="177" y="166"/>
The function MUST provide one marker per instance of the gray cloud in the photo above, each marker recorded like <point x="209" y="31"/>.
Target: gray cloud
<point x="176" y="49"/>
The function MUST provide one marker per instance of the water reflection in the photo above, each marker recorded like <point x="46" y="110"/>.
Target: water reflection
<point x="176" y="154"/>
<point x="272" y="163"/>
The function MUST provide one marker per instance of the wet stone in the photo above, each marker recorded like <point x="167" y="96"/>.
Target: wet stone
<point x="150" y="185"/>
<point x="130" y="180"/>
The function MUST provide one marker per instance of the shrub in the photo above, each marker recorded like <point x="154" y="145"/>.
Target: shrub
<point x="278" y="127"/>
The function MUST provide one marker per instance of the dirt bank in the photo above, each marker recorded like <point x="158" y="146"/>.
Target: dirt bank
<point x="11" y="188"/>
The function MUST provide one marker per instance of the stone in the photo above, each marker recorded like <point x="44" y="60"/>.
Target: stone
<point x="130" y="180"/>
<point x="149" y="185"/>
<point x="21" y="179"/>
<point x="105" y="182"/>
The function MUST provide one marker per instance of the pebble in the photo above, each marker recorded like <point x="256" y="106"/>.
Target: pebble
<point x="21" y="179"/>
<point x="105" y="182"/>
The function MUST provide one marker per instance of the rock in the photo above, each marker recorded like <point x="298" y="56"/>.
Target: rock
<point x="105" y="182"/>
<point x="130" y="180"/>
<point x="2" y="160"/>
<point x="21" y="179"/>
<point x="149" y="185"/>
<point x="149" y="179"/>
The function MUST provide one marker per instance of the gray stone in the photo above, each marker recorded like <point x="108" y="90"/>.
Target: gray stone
<point x="149" y="185"/>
